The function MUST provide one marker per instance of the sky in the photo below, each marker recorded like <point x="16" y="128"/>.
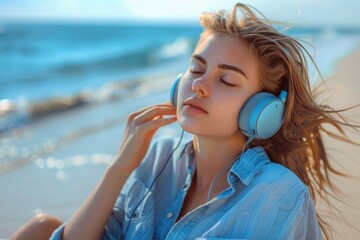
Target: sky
<point x="309" y="12"/>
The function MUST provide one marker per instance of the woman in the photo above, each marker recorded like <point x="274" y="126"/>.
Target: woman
<point x="232" y="180"/>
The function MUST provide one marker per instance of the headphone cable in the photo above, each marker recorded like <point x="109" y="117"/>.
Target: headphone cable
<point x="157" y="176"/>
<point x="227" y="167"/>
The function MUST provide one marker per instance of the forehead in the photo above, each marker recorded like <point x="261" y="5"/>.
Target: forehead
<point x="221" y="48"/>
<point x="225" y="46"/>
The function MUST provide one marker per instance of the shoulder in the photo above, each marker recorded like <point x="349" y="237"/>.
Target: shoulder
<point x="258" y="169"/>
<point x="296" y="215"/>
<point x="289" y="191"/>
<point x="283" y="184"/>
<point x="276" y="174"/>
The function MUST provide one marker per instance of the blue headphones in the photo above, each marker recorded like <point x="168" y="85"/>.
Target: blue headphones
<point x="261" y="116"/>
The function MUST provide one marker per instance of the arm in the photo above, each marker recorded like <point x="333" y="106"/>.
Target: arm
<point x="89" y="221"/>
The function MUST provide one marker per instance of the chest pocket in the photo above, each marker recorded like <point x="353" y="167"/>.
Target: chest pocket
<point x="139" y="202"/>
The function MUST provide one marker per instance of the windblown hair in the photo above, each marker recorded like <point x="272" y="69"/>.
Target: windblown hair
<point x="298" y="144"/>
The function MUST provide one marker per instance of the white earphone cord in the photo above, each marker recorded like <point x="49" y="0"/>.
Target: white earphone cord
<point x="227" y="167"/>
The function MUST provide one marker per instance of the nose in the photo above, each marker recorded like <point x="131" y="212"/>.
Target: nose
<point x="199" y="87"/>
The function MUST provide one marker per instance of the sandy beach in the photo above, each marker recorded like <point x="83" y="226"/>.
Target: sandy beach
<point x="48" y="185"/>
<point x="344" y="87"/>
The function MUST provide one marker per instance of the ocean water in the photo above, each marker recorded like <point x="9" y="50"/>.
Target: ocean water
<point x="39" y="62"/>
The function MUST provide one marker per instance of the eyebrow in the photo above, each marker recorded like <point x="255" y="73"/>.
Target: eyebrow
<point x="222" y="66"/>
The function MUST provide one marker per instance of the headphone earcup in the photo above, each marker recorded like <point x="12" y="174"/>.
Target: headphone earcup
<point x="174" y="90"/>
<point x="262" y="115"/>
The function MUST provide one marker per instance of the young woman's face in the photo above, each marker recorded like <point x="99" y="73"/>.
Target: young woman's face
<point x="221" y="77"/>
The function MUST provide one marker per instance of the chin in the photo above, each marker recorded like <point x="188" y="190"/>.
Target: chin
<point x="205" y="128"/>
<point x="190" y="128"/>
<point x="204" y="131"/>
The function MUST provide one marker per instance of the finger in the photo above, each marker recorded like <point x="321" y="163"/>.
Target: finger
<point x="155" y="124"/>
<point x="165" y="104"/>
<point x="153" y="113"/>
<point x="137" y="113"/>
<point x="149" y="115"/>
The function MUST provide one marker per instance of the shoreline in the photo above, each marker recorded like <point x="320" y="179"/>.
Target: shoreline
<point x="15" y="115"/>
<point x="80" y="121"/>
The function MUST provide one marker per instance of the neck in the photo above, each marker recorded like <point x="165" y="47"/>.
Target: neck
<point x="212" y="155"/>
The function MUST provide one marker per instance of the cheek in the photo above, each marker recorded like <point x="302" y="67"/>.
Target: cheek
<point x="225" y="111"/>
<point x="184" y="92"/>
<point x="228" y="114"/>
<point x="228" y="103"/>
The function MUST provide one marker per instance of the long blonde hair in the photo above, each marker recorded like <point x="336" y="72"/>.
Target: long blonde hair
<point x="298" y="144"/>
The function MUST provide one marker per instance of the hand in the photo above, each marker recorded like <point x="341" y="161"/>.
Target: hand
<point x="140" y="129"/>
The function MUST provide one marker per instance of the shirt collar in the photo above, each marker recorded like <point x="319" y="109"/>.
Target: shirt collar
<point x="249" y="164"/>
<point x="245" y="168"/>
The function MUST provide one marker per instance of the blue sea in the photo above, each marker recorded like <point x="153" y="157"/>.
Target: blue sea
<point x="39" y="62"/>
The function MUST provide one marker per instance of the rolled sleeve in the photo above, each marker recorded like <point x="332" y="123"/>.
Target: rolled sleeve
<point x="112" y="231"/>
<point x="57" y="234"/>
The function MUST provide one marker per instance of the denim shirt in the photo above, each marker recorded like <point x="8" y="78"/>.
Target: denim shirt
<point x="264" y="200"/>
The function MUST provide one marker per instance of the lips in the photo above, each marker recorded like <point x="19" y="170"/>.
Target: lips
<point x="195" y="104"/>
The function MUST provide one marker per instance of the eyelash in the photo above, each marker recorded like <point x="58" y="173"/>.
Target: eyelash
<point x="221" y="80"/>
<point x="226" y="83"/>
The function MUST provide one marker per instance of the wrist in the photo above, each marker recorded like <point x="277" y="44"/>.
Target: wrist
<point x="118" y="168"/>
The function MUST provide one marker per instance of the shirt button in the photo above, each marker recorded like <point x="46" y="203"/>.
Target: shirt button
<point x="169" y="215"/>
<point x="184" y="185"/>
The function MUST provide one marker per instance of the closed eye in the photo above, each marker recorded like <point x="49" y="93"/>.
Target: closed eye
<point x="226" y="83"/>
